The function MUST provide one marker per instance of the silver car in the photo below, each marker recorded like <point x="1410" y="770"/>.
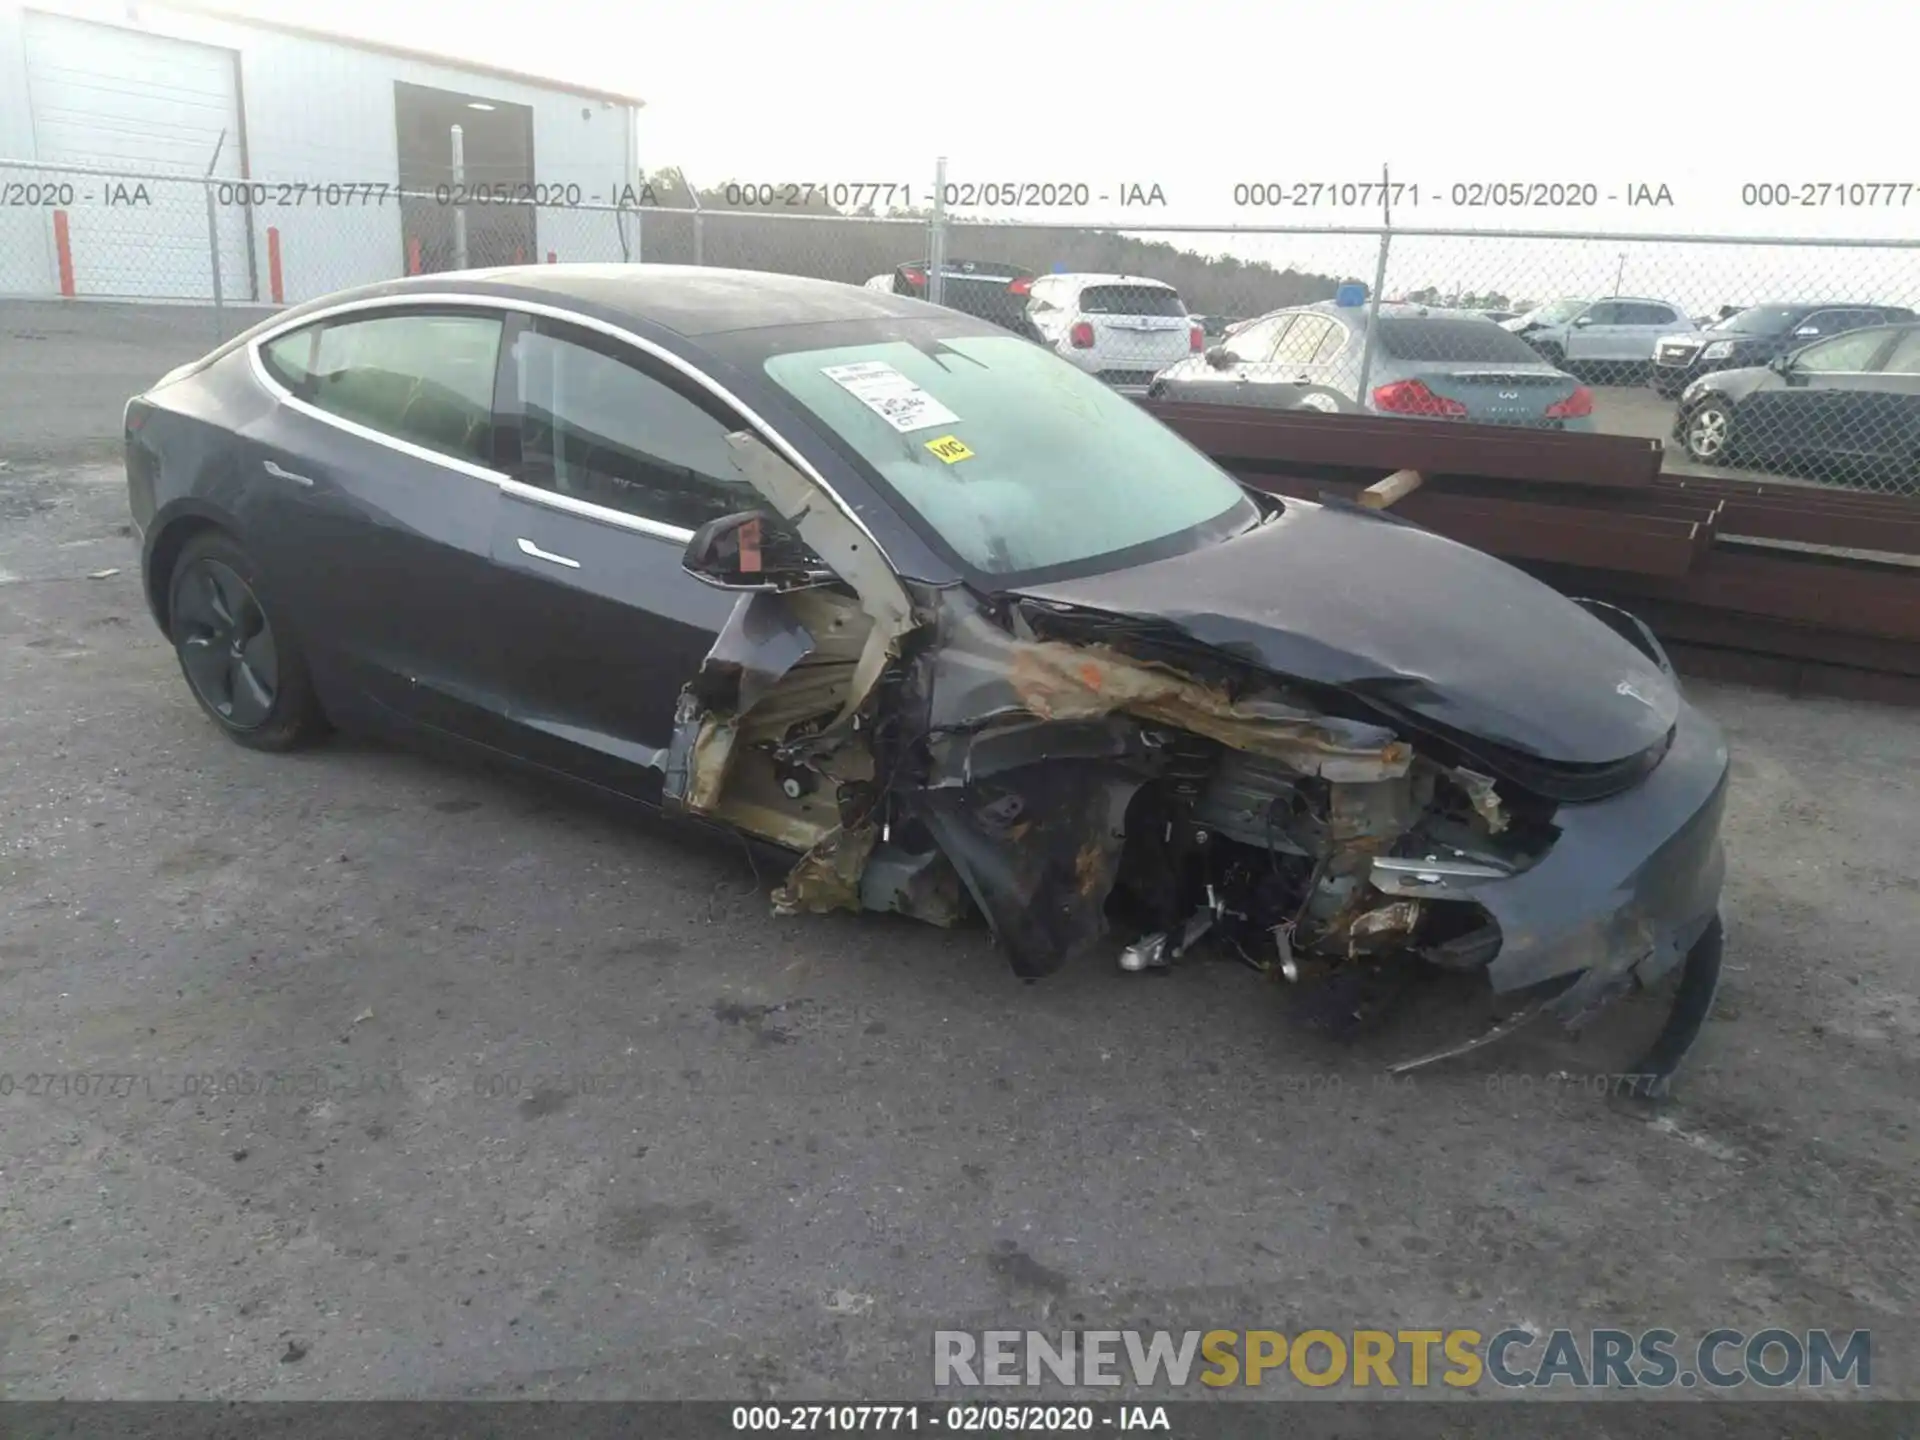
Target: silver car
<point x="1619" y="330"/>
<point x="1426" y="363"/>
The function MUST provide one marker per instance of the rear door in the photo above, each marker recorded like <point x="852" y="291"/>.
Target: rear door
<point x="1895" y="416"/>
<point x="614" y="460"/>
<point x="1139" y="328"/>
<point x="1599" y="333"/>
<point x="377" y="502"/>
<point x="1642" y="326"/>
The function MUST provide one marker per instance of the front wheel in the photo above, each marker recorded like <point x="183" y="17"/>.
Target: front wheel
<point x="1709" y="432"/>
<point x="240" y="658"/>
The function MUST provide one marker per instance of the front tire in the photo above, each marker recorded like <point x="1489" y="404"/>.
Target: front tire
<point x="240" y="658"/>
<point x="1708" y="435"/>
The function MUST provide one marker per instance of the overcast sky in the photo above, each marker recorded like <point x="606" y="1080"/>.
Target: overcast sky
<point x="1700" y="95"/>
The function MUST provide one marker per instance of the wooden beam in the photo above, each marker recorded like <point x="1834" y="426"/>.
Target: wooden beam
<point x="1397" y="486"/>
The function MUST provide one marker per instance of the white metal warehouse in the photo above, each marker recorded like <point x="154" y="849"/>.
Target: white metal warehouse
<point x="310" y="137"/>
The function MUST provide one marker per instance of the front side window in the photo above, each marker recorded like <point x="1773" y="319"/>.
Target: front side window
<point x="421" y="377"/>
<point x="1607" y="312"/>
<point x="597" y="428"/>
<point x="1017" y="460"/>
<point x="1854" y="351"/>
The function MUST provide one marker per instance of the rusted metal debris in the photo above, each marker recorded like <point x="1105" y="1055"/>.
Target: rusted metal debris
<point x="1749" y="580"/>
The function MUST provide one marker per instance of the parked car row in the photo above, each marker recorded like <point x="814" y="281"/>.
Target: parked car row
<point x="1834" y="385"/>
<point x="1754" y="336"/>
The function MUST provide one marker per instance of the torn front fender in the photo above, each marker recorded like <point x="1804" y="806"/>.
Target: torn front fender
<point x="1038" y="849"/>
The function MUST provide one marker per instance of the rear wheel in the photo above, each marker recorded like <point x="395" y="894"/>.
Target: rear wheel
<point x="241" y="661"/>
<point x="1709" y="432"/>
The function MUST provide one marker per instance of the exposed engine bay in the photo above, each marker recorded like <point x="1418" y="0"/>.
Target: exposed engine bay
<point x="1085" y="779"/>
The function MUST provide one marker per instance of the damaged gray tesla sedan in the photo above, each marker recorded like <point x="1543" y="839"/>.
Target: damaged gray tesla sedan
<point x="945" y="618"/>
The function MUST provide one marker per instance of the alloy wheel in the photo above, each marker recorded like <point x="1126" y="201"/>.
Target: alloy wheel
<point x="226" y="645"/>
<point x="1707" y="433"/>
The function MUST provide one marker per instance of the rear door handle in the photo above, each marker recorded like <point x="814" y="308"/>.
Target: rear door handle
<point x="527" y="547"/>
<point x="279" y="474"/>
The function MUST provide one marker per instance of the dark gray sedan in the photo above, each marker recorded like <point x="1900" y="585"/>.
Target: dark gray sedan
<point x="944" y="619"/>
<point x="1847" y="408"/>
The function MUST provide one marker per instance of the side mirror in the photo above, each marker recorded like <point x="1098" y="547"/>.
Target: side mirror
<point x="1808" y="330"/>
<point x="1781" y="364"/>
<point x="734" y="553"/>
<point x="1219" y="359"/>
<point x="1583" y="322"/>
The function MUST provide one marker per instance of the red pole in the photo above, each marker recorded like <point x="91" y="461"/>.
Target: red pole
<point x="413" y="255"/>
<point x="519" y="254"/>
<point x="552" y="259"/>
<point x="274" y="281"/>
<point x="63" y="252"/>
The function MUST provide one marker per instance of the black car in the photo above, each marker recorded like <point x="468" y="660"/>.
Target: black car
<point x="986" y="289"/>
<point x="939" y="615"/>
<point x="1848" y="407"/>
<point x="1755" y="335"/>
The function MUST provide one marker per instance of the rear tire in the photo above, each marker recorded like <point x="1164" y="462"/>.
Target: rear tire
<point x="241" y="660"/>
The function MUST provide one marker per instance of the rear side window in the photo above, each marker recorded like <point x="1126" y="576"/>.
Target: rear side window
<point x="1641" y="313"/>
<point x="423" y="378"/>
<point x="1473" y="342"/>
<point x="1131" y="300"/>
<point x="1303" y="340"/>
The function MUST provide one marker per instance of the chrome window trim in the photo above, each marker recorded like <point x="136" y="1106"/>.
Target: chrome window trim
<point x="554" y="500"/>
<point x="507" y="484"/>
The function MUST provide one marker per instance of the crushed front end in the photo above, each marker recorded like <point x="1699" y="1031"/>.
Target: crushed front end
<point x="1241" y="774"/>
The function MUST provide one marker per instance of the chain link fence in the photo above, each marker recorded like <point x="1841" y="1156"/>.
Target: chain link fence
<point x="1777" y="356"/>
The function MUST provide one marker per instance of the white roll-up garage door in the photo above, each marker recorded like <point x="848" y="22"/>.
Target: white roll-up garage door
<point x="139" y="104"/>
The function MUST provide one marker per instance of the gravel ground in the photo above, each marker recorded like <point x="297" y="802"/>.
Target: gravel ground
<point x="545" y="1103"/>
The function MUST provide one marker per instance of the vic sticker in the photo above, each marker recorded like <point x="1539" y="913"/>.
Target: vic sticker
<point x="950" y="448"/>
<point x="890" y="395"/>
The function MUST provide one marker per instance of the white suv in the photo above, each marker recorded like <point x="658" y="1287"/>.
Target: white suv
<point x="1123" y="328"/>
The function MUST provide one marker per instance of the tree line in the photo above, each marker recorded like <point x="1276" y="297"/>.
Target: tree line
<point x="811" y="237"/>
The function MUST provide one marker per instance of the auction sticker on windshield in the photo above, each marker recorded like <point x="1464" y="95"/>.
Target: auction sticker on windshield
<point x="890" y="395"/>
<point x="950" y="448"/>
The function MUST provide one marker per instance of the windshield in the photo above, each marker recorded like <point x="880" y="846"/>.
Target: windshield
<point x="1017" y="460"/>
<point x="1556" y="312"/>
<point x="1760" y="320"/>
